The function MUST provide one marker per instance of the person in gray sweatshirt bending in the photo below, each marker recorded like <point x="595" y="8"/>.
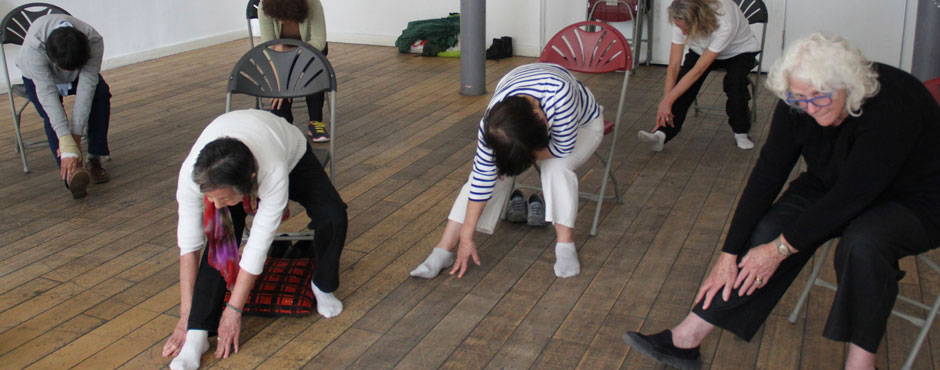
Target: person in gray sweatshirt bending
<point x="61" y="56"/>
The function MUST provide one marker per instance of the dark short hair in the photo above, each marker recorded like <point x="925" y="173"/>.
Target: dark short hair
<point x="286" y="10"/>
<point x="68" y="48"/>
<point x="514" y="131"/>
<point x="225" y="162"/>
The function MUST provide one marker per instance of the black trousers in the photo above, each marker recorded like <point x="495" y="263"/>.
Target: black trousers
<point x="734" y="85"/>
<point x="314" y="104"/>
<point x="867" y="272"/>
<point x="310" y="187"/>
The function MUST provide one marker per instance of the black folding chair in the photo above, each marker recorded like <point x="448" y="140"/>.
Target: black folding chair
<point x="14" y="27"/>
<point x="298" y="72"/>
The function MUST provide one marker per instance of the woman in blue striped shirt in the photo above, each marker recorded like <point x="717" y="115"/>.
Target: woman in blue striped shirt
<point x="539" y="113"/>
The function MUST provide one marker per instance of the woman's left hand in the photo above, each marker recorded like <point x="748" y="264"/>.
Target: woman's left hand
<point x="757" y="266"/>
<point x="229" y="328"/>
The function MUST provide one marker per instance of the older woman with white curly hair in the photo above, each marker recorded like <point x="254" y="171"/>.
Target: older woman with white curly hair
<point x="869" y="135"/>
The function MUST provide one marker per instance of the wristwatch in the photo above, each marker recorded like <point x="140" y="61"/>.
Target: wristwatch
<point x="782" y="248"/>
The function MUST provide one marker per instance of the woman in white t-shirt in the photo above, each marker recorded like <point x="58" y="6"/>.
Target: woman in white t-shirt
<point x="718" y="37"/>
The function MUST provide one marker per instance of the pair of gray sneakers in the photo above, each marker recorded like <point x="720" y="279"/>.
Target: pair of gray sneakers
<point x="531" y="212"/>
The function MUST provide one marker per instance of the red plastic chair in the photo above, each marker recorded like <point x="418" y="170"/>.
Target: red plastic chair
<point x="601" y="51"/>
<point x="636" y="11"/>
<point x="934" y="86"/>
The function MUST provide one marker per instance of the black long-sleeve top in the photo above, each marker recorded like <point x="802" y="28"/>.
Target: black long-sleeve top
<point x="889" y="153"/>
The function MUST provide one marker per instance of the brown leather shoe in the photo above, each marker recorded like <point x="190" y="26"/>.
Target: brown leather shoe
<point x="78" y="183"/>
<point x="98" y="173"/>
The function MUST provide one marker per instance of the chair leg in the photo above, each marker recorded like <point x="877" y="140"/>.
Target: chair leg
<point x="20" y="146"/>
<point x="922" y="335"/>
<point x="820" y="259"/>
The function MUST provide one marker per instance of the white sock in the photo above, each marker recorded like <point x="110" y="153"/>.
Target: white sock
<point x="197" y="343"/>
<point x="566" y="260"/>
<point x="327" y="304"/>
<point x="438" y="260"/>
<point x="743" y="141"/>
<point x="654" y="139"/>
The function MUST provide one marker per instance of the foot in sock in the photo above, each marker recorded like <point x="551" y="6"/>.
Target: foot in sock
<point x="327" y="304"/>
<point x="743" y="141"/>
<point x="197" y="343"/>
<point x="566" y="260"/>
<point x="655" y="139"/>
<point x="438" y="260"/>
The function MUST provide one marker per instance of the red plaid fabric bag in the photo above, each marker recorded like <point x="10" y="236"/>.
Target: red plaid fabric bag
<point x="283" y="289"/>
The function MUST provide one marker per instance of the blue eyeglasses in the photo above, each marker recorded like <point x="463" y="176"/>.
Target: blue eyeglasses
<point x="820" y="101"/>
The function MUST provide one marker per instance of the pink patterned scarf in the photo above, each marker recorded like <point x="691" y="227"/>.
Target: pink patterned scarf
<point x="220" y="237"/>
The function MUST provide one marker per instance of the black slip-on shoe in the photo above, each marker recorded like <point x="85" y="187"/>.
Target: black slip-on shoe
<point x="659" y="347"/>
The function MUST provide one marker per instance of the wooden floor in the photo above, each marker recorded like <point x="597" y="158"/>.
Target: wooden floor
<point x="94" y="283"/>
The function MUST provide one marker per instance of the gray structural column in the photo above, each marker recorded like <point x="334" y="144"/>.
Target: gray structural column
<point x="472" y="47"/>
<point x="926" y="58"/>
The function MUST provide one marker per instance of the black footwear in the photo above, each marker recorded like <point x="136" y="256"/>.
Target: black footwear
<point x="495" y="50"/>
<point x="517" y="211"/>
<point x="659" y="346"/>
<point x="507" y="46"/>
<point x="536" y="216"/>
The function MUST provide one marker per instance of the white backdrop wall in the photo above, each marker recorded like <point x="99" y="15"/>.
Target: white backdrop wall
<point x="379" y="22"/>
<point x="138" y="30"/>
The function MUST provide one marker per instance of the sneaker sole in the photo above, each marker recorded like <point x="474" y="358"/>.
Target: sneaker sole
<point x="645" y="348"/>
<point x="515" y="218"/>
<point x="537" y="223"/>
<point x="320" y="140"/>
<point x="79" y="185"/>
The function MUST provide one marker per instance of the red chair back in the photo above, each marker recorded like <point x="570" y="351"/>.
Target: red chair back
<point x="934" y="86"/>
<point x="611" y="13"/>
<point x="601" y="51"/>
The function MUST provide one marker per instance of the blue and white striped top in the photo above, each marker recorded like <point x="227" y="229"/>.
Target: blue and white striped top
<point x="567" y="104"/>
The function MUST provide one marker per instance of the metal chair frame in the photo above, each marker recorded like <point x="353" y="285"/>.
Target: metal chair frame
<point x="755" y="11"/>
<point x="13" y="29"/>
<point x="923" y="323"/>
<point x="637" y="10"/>
<point x="601" y="51"/>
<point x="301" y="71"/>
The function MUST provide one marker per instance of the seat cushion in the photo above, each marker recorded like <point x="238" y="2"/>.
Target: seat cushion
<point x="608" y="127"/>
<point x="282" y="289"/>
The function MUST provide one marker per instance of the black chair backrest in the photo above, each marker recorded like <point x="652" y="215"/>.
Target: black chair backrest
<point x="18" y="21"/>
<point x="754" y="10"/>
<point x="267" y="73"/>
<point x="252" y="11"/>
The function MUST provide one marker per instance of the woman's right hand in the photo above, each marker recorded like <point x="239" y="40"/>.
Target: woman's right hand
<point x="276" y="103"/>
<point x="721" y="278"/>
<point x="176" y="340"/>
<point x="466" y="249"/>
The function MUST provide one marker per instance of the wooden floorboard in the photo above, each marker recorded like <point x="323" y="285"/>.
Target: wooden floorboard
<point x="93" y="284"/>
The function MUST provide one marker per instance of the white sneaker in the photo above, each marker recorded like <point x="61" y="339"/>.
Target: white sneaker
<point x="743" y="141"/>
<point x="655" y="139"/>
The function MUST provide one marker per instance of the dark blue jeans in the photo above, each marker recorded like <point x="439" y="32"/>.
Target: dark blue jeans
<point x="867" y="272"/>
<point x="98" y="118"/>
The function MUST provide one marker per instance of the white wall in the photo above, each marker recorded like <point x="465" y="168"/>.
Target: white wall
<point x="380" y="22"/>
<point x="138" y="30"/>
